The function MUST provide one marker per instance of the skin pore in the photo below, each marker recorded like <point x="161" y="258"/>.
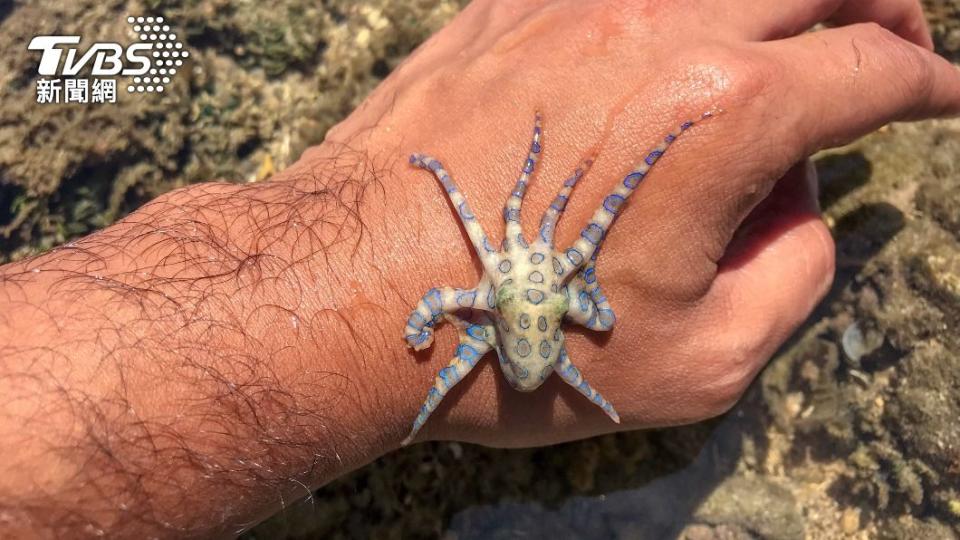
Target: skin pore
<point x="227" y="347"/>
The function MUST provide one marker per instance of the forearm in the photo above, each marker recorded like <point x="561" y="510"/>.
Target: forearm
<point x="228" y="347"/>
<point x="220" y="350"/>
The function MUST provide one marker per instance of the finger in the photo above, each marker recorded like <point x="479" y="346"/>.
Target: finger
<point x="902" y="17"/>
<point x="767" y="286"/>
<point x="817" y="90"/>
<point x="773" y="19"/>
<point x="822" y="89"/>
<point x="854" y="79"/>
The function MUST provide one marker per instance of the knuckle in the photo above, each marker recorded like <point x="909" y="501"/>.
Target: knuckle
<point x="733" y="74"/>
<point x="685" y="281"/>
<point x="900" y="57"/>
<point x="735" y="356"/>
<point x="875" y="32"/>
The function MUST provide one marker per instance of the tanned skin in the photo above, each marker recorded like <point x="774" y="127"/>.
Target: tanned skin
<point x="228" y="347"/>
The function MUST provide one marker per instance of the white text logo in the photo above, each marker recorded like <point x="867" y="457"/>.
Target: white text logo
<point x="150" y="64"/>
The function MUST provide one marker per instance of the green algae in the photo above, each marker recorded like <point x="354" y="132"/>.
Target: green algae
<point x="819" y="430"/>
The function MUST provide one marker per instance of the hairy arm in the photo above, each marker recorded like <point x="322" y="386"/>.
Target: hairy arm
<point x="217" y="352"/>
<point x="226" y="348"/>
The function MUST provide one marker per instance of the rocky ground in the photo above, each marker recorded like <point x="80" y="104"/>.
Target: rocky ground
<point x="850" y="432"/>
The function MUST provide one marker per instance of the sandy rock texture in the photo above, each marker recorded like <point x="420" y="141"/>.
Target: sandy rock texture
<point x="851" y="432"/>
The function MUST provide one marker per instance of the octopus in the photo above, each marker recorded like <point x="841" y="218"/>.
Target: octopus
<point x="527" y="290"/>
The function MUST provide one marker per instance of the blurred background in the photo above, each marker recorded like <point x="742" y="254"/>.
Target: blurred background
<point x="851" y="432"/>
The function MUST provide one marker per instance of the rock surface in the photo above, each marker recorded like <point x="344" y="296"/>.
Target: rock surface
<point x="826" y="444"/>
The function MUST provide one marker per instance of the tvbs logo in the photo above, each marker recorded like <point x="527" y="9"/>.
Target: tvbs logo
<point x="150" y="63"/>
<point x="107" y="57"/>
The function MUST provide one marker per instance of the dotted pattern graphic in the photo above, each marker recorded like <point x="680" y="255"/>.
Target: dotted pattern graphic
<point x="167" y="55"/>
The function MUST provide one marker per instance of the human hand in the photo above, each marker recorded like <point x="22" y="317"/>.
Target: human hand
<point x="175" y="372"/>
<point x="719" y="256"/>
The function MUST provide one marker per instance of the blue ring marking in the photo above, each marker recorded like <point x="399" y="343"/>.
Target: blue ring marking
<point x="447" y="183"/>
<point x="574" y="256"/>
<point x="506" y="282"/>
<point x="420" y="320"/>
<point x="557" y="266"/>
<point x="570" y="372"/>
<point x="535" y="277"/>
<point x="557" y="334"/>
<point x="592" y="321"/>
<point x="670" y="138"/>
<point x="491" y="299"/>
<point x="414" y="158"/>
<point x="434" y="165"/>
<point x="613" y="202"/>
<point x="477" y="332"/>
<point x="487" y="247"/>
<point x="465" y="211"/>
<point x="416" y="339"/>
<point x="607" y="318"/>
<point x="466" y="298"/>
<point x="535" y="147"/>
<point x="547" y="369"/>
<point x="686" y="125"/>
<point x="528" y="166"/>
<point x="633" y="179"/>
<point x="505" y="266"/>
<point x="537" y="258"/>
<point x="519" y="189"/>
<point x="582" y="299"/>
<point x="434" y="295"/>
<point x="511" y="214"/>
<point x="653" y="157"/>
<point x="597" y="295"/>
<point x="590" y="275"/>
<point x="523" y="347"/>
<point x="592" y="233"/>
<point x="559" y="203"/>
<point x="545" y="349"/>
<point x="534" y="296"/>
<point x="521" y="241"/>
<point x="545" y="228"/>
<point x="467" y="353"/>
<point x="521" y="372"/>
<point x="524" y="321"/>
<point x="449" y="376"/>
<point x="542" y="323"/>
